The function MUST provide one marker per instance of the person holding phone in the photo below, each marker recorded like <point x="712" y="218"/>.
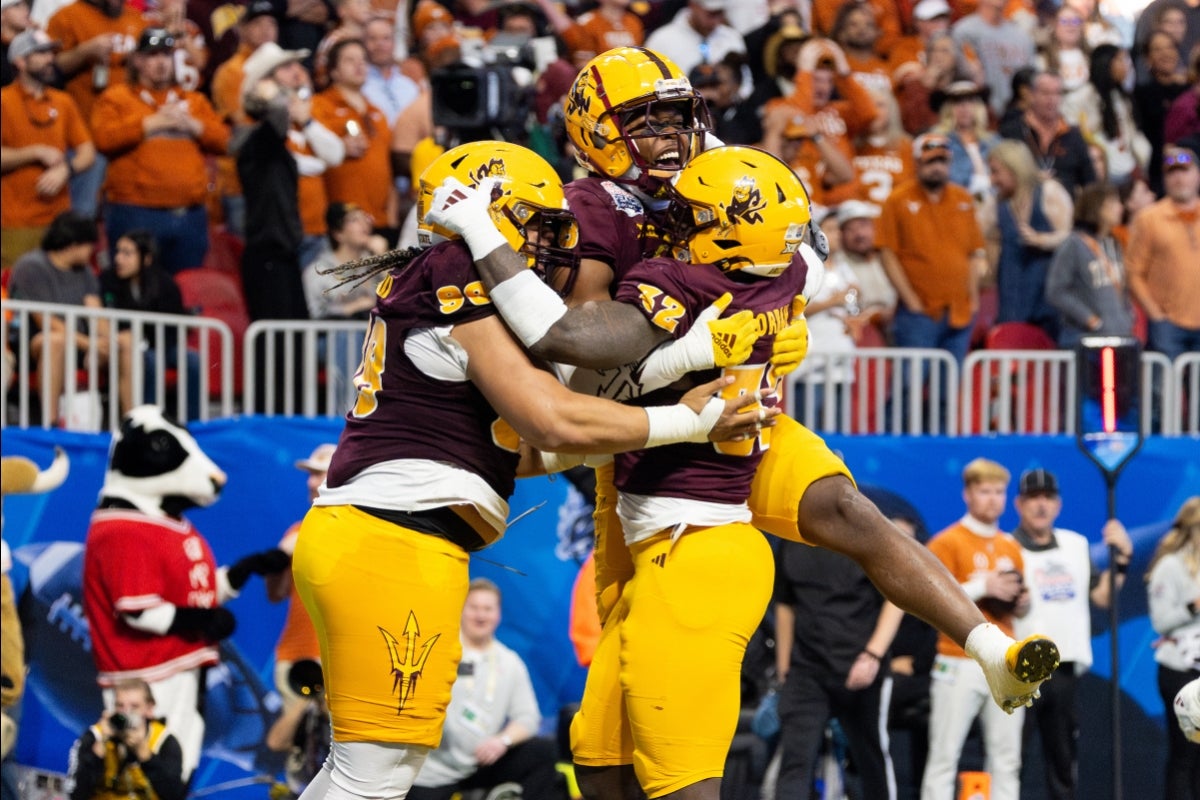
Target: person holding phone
<point x="128" y="753"/>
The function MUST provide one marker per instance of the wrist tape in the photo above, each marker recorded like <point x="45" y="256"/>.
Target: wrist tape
<point x="678" y="423"/>
<point x="529" y="307"/>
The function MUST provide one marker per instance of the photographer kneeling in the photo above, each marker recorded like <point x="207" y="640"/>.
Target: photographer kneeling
<point x="302" y="730"/>
<point x="128" y="753"/>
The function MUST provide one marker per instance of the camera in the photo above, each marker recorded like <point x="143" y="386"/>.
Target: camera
<point x="305" y="678"/>
<point x="120" y="723"/>
<point x="482" y="93"/>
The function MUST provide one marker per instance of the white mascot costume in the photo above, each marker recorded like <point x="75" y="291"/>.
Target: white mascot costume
<point x="152" y="589"/>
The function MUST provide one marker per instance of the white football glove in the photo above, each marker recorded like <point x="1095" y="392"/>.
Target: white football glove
<point x="466" y="211"/>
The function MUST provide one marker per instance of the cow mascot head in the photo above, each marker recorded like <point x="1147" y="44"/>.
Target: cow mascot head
<point x="156" y="467"/>
<point x="152" y="589"/>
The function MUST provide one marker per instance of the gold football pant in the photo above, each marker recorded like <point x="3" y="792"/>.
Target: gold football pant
<point x="664" y="688"/>
<point x="796" y="459"/>
<point x="387" y="604"/>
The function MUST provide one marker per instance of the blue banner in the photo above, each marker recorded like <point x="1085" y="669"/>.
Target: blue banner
<point x="534" y="565"/>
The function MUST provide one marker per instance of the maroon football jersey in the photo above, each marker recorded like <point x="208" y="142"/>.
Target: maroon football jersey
<point x="672" y="294"/>
<point x="401" y="412"/>
<point x="614" y="227"/>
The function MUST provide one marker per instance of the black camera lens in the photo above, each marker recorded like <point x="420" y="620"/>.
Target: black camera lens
<point x="305" y="678"/>
<point x="118" y="722"/>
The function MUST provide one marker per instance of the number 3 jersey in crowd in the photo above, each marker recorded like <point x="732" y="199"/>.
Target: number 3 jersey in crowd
<point x="420" y="435"/>
<point x="699" y="483"/>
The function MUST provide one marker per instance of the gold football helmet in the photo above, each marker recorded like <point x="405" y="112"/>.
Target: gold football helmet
<point x="740" y="208"/>
<point x="527" y="207"/>
<point x="626" y="94"/>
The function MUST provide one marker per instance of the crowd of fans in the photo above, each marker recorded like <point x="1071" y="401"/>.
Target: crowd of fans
<point x="289" y="124"/>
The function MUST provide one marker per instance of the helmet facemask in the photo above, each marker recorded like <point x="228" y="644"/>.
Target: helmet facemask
<point x="608" y="104"/>
<point x="549" y="237"/>
<point x="682" y="120"/>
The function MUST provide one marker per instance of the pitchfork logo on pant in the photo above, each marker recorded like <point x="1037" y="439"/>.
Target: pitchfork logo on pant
<point x="407" y="663"/>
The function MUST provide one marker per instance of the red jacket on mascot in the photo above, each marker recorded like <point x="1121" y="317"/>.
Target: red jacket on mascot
<point x="153" y="593"/>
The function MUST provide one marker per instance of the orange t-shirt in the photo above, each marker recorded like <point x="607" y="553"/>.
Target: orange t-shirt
<point x="873" y="73"/>
<point x="967" y="554"/>
<point x="934" y="242"/>
<point x="365" y="181"/>
<point x="76" y="23"/>
<point x="595" y="33"/>
<point x="164" y="170"/>
<point x="52" y="119"/>
<point x="881" y="168"/>
<point x="298" y="639"/>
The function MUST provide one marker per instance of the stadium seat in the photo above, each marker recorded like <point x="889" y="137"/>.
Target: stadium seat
<point x="224" y="251"/>
<point x="1013" y="336"/>
<point x="217" y="294"/>
<point x="1017" y="336"/>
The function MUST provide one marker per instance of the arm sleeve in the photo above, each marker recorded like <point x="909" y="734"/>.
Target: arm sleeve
<point x="326" y="145"/>
<point x="24" y="285"/>
<point x="85" y="771"/>
<point x="164" y="770"/>
<point x="215" y="136"/>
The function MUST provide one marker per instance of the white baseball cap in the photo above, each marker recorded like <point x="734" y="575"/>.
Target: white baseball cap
<point x="319" y="460"/>
<point x="856" y="209"/>
<point x="931" y="9"/>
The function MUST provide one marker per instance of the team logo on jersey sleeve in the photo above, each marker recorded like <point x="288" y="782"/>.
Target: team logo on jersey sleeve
<point x="407" y="663"/>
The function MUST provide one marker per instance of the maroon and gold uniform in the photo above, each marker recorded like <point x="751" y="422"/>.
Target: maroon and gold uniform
<point x="658" y="678"/>
<point x="671" y="294"/>
<point x="421" y="476"/>
<point x="404" y="412"/>
<point x="614" y="227"/>
<point x="691" y="516"/>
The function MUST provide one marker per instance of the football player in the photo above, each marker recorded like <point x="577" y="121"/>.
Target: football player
<point x="635" y="121"/>
<point x="667" y="670"/>
<point x="425" y="465"/>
